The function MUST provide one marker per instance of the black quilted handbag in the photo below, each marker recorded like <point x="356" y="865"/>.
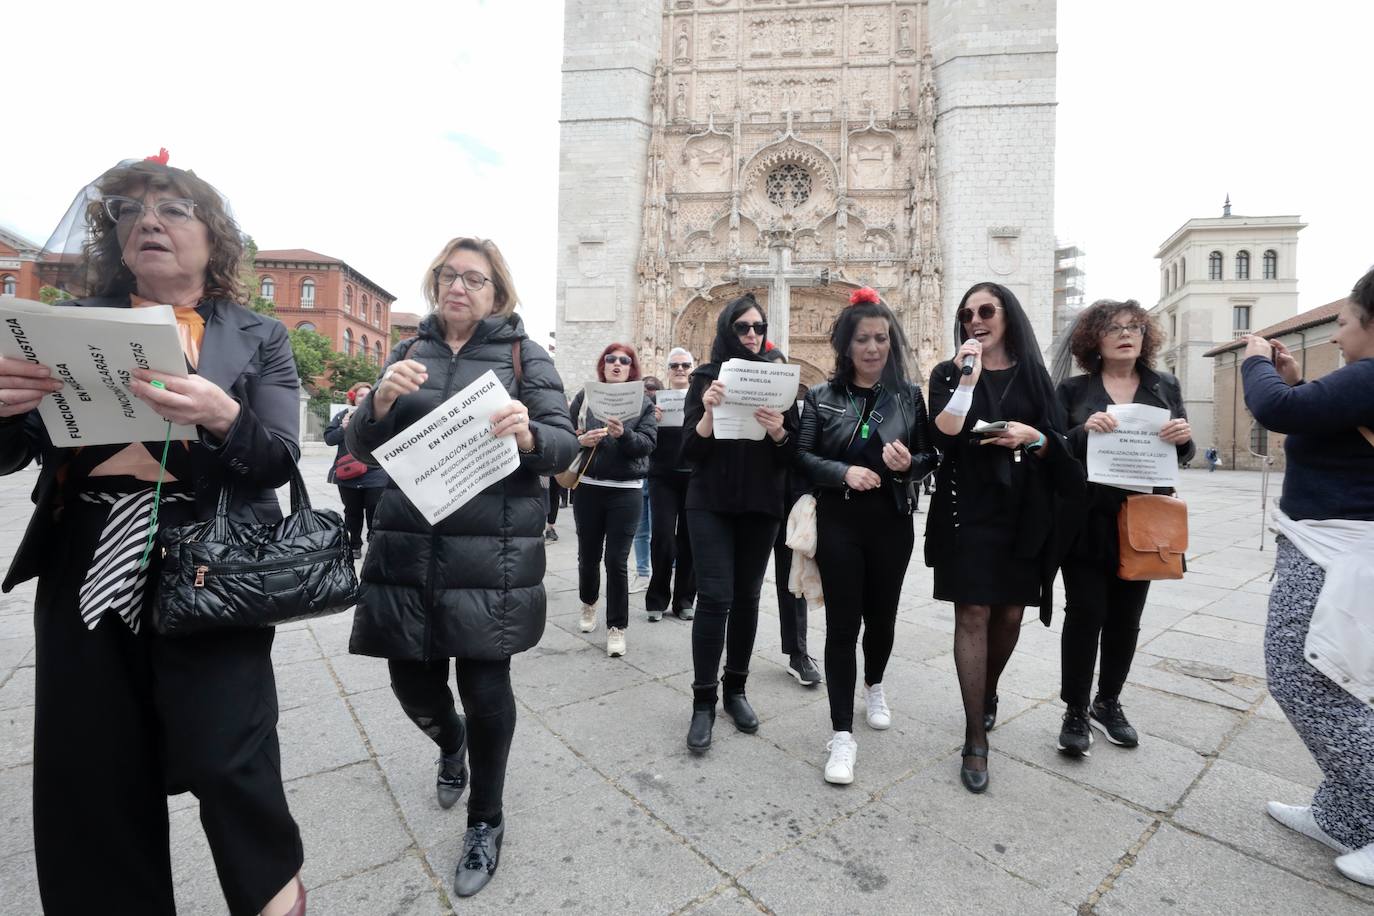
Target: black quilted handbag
<point x="223" y="574"/>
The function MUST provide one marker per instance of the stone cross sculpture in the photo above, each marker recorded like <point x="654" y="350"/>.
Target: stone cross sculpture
<point x="780" y="277"/>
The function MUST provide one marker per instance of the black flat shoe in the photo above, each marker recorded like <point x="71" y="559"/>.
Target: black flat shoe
<point x="989" y="713"/>
<point x="481" y="854"/>
<point x="976" y="781"/>
<point x="699" y="732"/>
<point x="737" y="707"/>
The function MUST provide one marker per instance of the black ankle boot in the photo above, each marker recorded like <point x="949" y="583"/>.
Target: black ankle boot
<point x="703" y="720"/>
<point x="736" y="705"/>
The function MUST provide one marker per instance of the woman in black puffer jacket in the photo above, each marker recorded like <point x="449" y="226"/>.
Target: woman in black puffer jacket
<point x="610" y="497"/>
<point x="471" y="587"/>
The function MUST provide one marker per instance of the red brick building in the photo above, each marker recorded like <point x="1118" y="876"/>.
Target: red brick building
<point x="18" y="266"/>
<point x="318" y="293"/>
<point x="1308" y="337"/>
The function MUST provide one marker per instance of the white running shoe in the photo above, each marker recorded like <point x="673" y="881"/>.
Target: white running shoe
<point x="638" y="583"/>
<point x="588" y="621"/>
<point x="1299" y="818"/>
<point x="1358" y="865"/>
<point x="615" y="642"/>
<point x="879" y="716"/>
<point x="844" y="750"/>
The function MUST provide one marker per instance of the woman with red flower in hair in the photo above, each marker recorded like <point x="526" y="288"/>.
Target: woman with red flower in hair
<point x="865" y="444"/>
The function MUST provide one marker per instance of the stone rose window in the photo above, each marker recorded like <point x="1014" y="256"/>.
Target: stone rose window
<point x="788" y="185"/>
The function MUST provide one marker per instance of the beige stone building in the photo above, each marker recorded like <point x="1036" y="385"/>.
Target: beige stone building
<point x="799" y="150"/>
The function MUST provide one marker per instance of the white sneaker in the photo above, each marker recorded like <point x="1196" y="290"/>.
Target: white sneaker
<point x="638" y="583"/>
<point x="879" y="716"/>
<point x="1358" y="865"/>
<point x="588" y="621"/>
<point x="615" y="642"/>
<point x="844" y="750"/>
<point x="1299" y="818"/>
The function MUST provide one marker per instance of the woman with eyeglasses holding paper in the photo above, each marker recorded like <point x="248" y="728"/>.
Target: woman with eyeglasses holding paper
<point x="467" y="593"/>
<point x="865" y="444"/>
<point x="124" y="715"/>
<point x="1114" y="343"/>
<point x="672" y="578"/>
<point x="989" y="532"/>
<point x="734" y="506"/>
<point x="610" y="497"/>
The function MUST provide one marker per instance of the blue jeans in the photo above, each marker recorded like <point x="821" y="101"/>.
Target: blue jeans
<point x="642" y="537"/>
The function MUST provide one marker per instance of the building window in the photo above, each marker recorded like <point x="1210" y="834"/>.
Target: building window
<point x="377" y="317"/>
<point x="1242" y="265"/>
<point x="306" y="326"/>
<point x="1173" y="327"/>
<point x="362" y="347"/>
<point x="1271" y="265"/>
<point x="8" y="286"/>
<point x="1182" y="271"/>
<point x="268" y="289"/>
<point x="377" y="350"/>
<point x="788" y="185"/>
<point x="348" y="342"/>
<point x="1214" y="266"/>
<point x="1259" y="440"/>
<point x="348" y="300"/>
<point x="307" y="294"/>
<point x="1240" y="320"/>
<point x="362" y="307"/>
<point x="1173" y="276"/>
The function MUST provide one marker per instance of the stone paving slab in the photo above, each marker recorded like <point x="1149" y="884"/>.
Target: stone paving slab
<point x="608" y="812"/>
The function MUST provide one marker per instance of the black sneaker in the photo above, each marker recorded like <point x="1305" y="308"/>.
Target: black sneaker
<point x="481" y="853"/>
<point x="1108" y="718"/>
<point x="803" y="667"/>
<point x="1075" y="738"/>
<point x="550" y="535"/>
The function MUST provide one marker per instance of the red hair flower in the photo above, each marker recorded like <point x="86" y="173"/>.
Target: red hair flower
<point x="864" y="294"/>
<point x="768" y="345"/>
<point x="161" y="157"/>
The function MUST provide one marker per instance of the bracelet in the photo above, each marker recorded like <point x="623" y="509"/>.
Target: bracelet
<point x="961" y="402"/>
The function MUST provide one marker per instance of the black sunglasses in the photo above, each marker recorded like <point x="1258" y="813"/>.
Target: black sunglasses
<point x="985" y="312"/>
<point x="679" y="365"/>
<point x="759" y="327"/>
<point x="612" y="359"/>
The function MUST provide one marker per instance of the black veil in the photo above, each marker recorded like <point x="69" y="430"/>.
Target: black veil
<point x="1023" y="347"/>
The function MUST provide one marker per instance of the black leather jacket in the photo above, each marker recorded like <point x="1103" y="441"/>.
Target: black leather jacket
<point x="828" y="425"/>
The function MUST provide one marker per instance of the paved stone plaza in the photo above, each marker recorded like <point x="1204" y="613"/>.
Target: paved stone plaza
<point x="607" y="812"/>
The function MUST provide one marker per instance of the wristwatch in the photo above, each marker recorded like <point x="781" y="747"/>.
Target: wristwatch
<point x="1036" y="445"/>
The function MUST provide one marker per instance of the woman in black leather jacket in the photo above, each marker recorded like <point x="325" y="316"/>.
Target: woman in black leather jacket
<point x="610" y="497"/>
<point x="865" y="444"/>
<point x="1115" y="344"/>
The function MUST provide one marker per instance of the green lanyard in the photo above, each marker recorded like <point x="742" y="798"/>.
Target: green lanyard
<point x="157" y="499"/>
<point x="863" y="429"/>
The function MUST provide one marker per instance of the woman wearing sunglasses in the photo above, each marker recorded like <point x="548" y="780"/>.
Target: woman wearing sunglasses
<point x="734" y="506"/>
<point x="1115" y="344"/>
<point x="672" y="579"/>
<point x="865" y="444"/>
<point x="611" y="497"/>
<point x="988" y="535"/>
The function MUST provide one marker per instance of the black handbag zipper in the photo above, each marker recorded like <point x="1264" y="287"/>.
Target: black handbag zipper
<point x="206" y="569"/>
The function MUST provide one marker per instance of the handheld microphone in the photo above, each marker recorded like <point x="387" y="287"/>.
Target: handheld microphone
<point x="968" y="365"/>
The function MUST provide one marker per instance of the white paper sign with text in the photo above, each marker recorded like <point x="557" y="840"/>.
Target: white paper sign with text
<point x="750" y="385"/>
<point x="1133" y="457"/>
<point x="621" y="401"/>
<point x="449" y="455"/>
<point x="672" y="403"/>
<point x="94" y="352"/>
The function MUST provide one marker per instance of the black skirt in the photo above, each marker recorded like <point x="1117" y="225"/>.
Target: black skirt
<point x="981" y="569"/>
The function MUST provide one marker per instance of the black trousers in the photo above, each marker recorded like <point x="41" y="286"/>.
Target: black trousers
<point x="1098" y="607"/>
<point x="673" y="581"/>
<point x="489" y="705"/>
<point x="124" y="720"/>
<point x="732" y="556"/>
<point x="607" y="518"/>
<point x="791" y="609"/>
<point x="555" y="497"/>
<point x="359" y="502"/>
<point x="863" y="547"/>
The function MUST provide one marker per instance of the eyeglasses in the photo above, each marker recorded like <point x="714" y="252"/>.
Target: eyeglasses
<point x="985" y="312"/>
<point x="473" y="280"/>
<point x="612" y="359"/>
<point x="1123" y="330"/>
<point x="744" y="327"/>
<point x="126" y="210"/>
<point x="683" y="366"/>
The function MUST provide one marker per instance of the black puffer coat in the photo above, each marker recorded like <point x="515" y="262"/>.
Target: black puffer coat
<point x="473" y="585"/>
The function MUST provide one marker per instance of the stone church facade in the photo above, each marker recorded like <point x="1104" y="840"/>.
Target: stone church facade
<point x="795" y="149"/>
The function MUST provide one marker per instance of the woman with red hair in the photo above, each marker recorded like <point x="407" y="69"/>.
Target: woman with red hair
<point x="610" y="496"/>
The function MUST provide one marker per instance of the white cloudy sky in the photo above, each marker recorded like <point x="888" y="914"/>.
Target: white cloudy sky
<point x="373" y="133"/>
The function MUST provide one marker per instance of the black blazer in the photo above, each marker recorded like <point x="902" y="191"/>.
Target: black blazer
<point x="246" y="354"/>
<point x="1089" y="533"/>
